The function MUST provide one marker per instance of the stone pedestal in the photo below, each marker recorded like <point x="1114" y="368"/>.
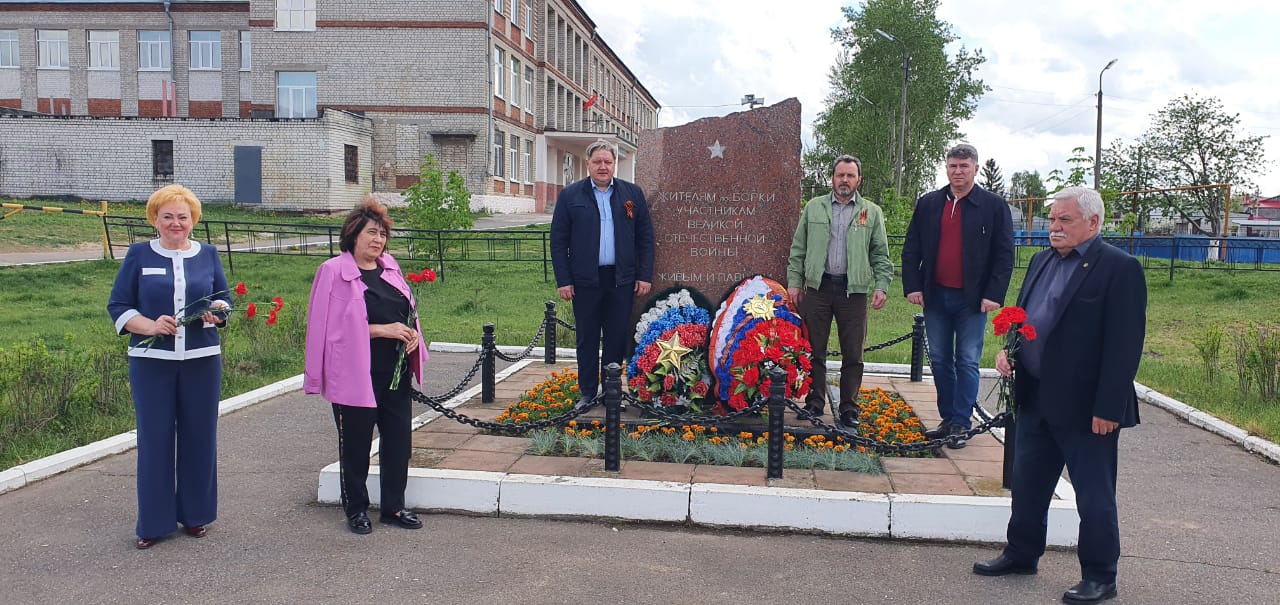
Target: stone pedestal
<point x="724" y="194"/>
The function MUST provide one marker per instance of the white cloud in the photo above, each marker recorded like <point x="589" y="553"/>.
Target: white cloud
<point x="698" y="57"/>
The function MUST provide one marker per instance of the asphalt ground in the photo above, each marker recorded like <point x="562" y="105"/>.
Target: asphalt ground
<point x="1200" y="520"/>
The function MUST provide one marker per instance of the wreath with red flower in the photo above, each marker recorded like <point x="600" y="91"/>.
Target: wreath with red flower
<point x="670" y="361"/>
<point x="756" y="330"/>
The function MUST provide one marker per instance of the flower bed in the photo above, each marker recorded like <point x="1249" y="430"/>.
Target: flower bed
<point x="884" y="417"/>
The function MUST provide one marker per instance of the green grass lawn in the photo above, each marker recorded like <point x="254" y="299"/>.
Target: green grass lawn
<point x="64" y="306"/>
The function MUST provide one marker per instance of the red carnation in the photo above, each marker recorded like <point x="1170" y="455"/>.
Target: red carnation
<point x="428" y="275"/>
<point x="251" y="311"/>
<point x="700" y="388"/>
<point x="1001" y="325"/>
<point x="271" y="318"/>
<point x="669" y="382"/>
<point x="668" y="399"/>
<point x="279" y="304"/>
<point x="1028" y="331"/>
<point x="414" y="277"/>
<point x="751" y="376"/>
<point x="241" y="290"/>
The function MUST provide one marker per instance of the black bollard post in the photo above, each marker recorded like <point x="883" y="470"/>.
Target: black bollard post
<point x="489" y="366"/>
<point x="777" y="403"/>
<point x="612" y="417"/>
<point x="917" y="349"/>
<point x="549" y="333"/>
<point x="1010" y="445"/>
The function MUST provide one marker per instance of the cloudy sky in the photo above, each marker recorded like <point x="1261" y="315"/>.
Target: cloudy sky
<point x="699" y="57"/>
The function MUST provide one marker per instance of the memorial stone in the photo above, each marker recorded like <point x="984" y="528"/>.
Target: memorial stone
<point x="724" y="194"/>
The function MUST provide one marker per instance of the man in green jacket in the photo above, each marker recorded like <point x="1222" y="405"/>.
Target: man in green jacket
<point x="839" y="255"/>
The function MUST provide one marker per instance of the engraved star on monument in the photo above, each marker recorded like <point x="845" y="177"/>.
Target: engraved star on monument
<point x="759" y="307"/>
<point x="671" y="350"/>
<point x="717" y="150"/>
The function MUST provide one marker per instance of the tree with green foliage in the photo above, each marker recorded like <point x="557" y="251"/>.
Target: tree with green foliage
<point x="437" y="201"/>
<point x="992" y="180"/>
<point x="862" y="113"/>
<point x="1026" y="184"/>
<point x="1080" y="166"/>
<point x="1191" y="141"/>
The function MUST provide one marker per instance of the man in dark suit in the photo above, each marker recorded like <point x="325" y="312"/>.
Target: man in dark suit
<point x="956" y="263"/>
<point x="602" y="251"/>
<point x="1074" y="391"/>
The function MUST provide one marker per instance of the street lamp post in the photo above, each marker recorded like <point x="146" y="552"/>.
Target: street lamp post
<point x="1097" y="158"/>
<point x="902" y="110"/>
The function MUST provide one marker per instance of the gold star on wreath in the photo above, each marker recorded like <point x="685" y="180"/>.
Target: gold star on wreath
<point x="671" y="350"/>
<point x="759" y="307"/>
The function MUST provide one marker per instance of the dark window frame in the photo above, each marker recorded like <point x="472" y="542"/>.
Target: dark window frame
<point x="162" y="159"/>
<point x="351" y="163"/>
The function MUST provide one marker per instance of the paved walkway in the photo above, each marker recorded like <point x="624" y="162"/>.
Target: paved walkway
<point x="1198" y="519"/>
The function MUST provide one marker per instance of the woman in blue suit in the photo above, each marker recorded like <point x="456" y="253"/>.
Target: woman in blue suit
<point x="176" y="377"/>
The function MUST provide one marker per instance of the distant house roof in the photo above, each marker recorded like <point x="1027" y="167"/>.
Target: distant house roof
<point x="1263" y="202"/>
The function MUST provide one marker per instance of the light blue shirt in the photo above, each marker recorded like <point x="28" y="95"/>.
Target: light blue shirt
<point x="607" y="256"/>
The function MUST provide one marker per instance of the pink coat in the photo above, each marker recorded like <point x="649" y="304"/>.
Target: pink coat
<point x="337" y="364"/>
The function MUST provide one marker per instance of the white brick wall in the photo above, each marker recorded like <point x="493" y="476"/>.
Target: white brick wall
<point x="205" y="86"/>
<point x="110" y="158"/>
<point x="103" y="84"/>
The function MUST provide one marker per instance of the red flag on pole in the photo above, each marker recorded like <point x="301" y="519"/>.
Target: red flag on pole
<point x="589" y="102"/>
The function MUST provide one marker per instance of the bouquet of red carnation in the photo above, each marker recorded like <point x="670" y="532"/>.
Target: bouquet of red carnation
<point x="1011" y="323"/>
<point x="195" y="311"/>
<point x="426" y="275"/>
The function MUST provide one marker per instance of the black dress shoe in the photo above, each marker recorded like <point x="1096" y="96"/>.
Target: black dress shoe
<point x="957" y="444"/>
<point x="1003" y="566"/>
<point x="1089" y="591"/>
<point x="815" y="410"/>
<point x="404" y="518"/>
<point x="849" y="419"/>
<point x="942" y="430"/>
<point x="196" y="531"/>
<point x="145" y="543"/>
<point x="359" y="523"/>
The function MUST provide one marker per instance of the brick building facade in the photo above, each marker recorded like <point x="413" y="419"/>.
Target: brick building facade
<point x="506" y="92"/>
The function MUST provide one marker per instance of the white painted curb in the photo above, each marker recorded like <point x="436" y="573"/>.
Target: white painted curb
<point x="598" y="497"/>
<point x="1250" y="443"/>
<point x="830" y="512"/>
<point x="972" y="519"/>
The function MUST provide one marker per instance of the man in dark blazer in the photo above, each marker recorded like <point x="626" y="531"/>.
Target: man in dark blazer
<point x="956" y="263"/>
<point x="602" y="252"/>
<point x="1074" y="391"/>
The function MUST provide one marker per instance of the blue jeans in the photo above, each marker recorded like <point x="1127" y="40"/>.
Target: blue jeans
<point x="955" y="333"/>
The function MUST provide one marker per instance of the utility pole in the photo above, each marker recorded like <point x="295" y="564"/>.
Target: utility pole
<point x="1097" y="157"/>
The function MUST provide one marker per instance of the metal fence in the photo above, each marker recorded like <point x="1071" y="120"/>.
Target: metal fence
<point x="534" y="246"/>
<point x="432" y="246"/>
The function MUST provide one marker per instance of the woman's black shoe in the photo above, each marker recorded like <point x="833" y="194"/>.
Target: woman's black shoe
<point x="404" y="518"/>
<point x="359" y="523"/>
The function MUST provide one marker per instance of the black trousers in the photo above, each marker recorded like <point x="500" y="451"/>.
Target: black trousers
<point x="818" y="308"/>
<point x="601" y="314"/>
<point x="393" y="417"/>
<point x="1091" y="460"/>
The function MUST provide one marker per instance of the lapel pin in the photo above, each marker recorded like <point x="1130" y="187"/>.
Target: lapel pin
<point x="1086" y="265"/>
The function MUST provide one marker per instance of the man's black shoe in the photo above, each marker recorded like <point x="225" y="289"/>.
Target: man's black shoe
<point x="583" y="404"/>
<point x="957" y="444"/>
<point x="814" y="410"/>
<point x="404" y="518"/>
<point x="942" y="430"/>
<point x="849" y="419"/>
<point x="1003" y="566"/>
<point x="1089" y="591"/>
<point x="359" y="523"/>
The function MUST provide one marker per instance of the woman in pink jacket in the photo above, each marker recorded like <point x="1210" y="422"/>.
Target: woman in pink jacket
<point x="363" y="344"/>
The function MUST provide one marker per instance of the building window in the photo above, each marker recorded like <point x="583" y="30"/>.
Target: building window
<point x="296" y="94"/>
<point x="104" y="50"/>
<point x="499" y="78"/>
<point x="206" y="50"/>
<point x="527" y="161"/>
<point x="515" y="82"/>
<point x="295" y="15"/>
<point x="528" y="90"/>
<point x="497" y="6"/>
<point x="162" y="160"/>
<point x="52" y="44"/>
<point x="499" y="154"/>
<point x="153" y="50"/>
<point x="8" y="48"/>
<point x="246" y="50"/>
<point x="351" y="163"/>
<point x="514" y="157"/>
<point x="528" y="20"/>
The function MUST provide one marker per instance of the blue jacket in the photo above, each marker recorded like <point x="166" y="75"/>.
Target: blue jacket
<point x="575" y="235"/>
<point x="1093" y="347"/>
<point x="153" y="281"/>
<point x="987" y="230"/>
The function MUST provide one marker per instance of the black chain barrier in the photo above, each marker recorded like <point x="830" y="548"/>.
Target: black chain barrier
<point x="898" y="448"/>
<point x="527" y="350"/>
<point x="430" y="399"/>
<point x="500" y="427"/>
